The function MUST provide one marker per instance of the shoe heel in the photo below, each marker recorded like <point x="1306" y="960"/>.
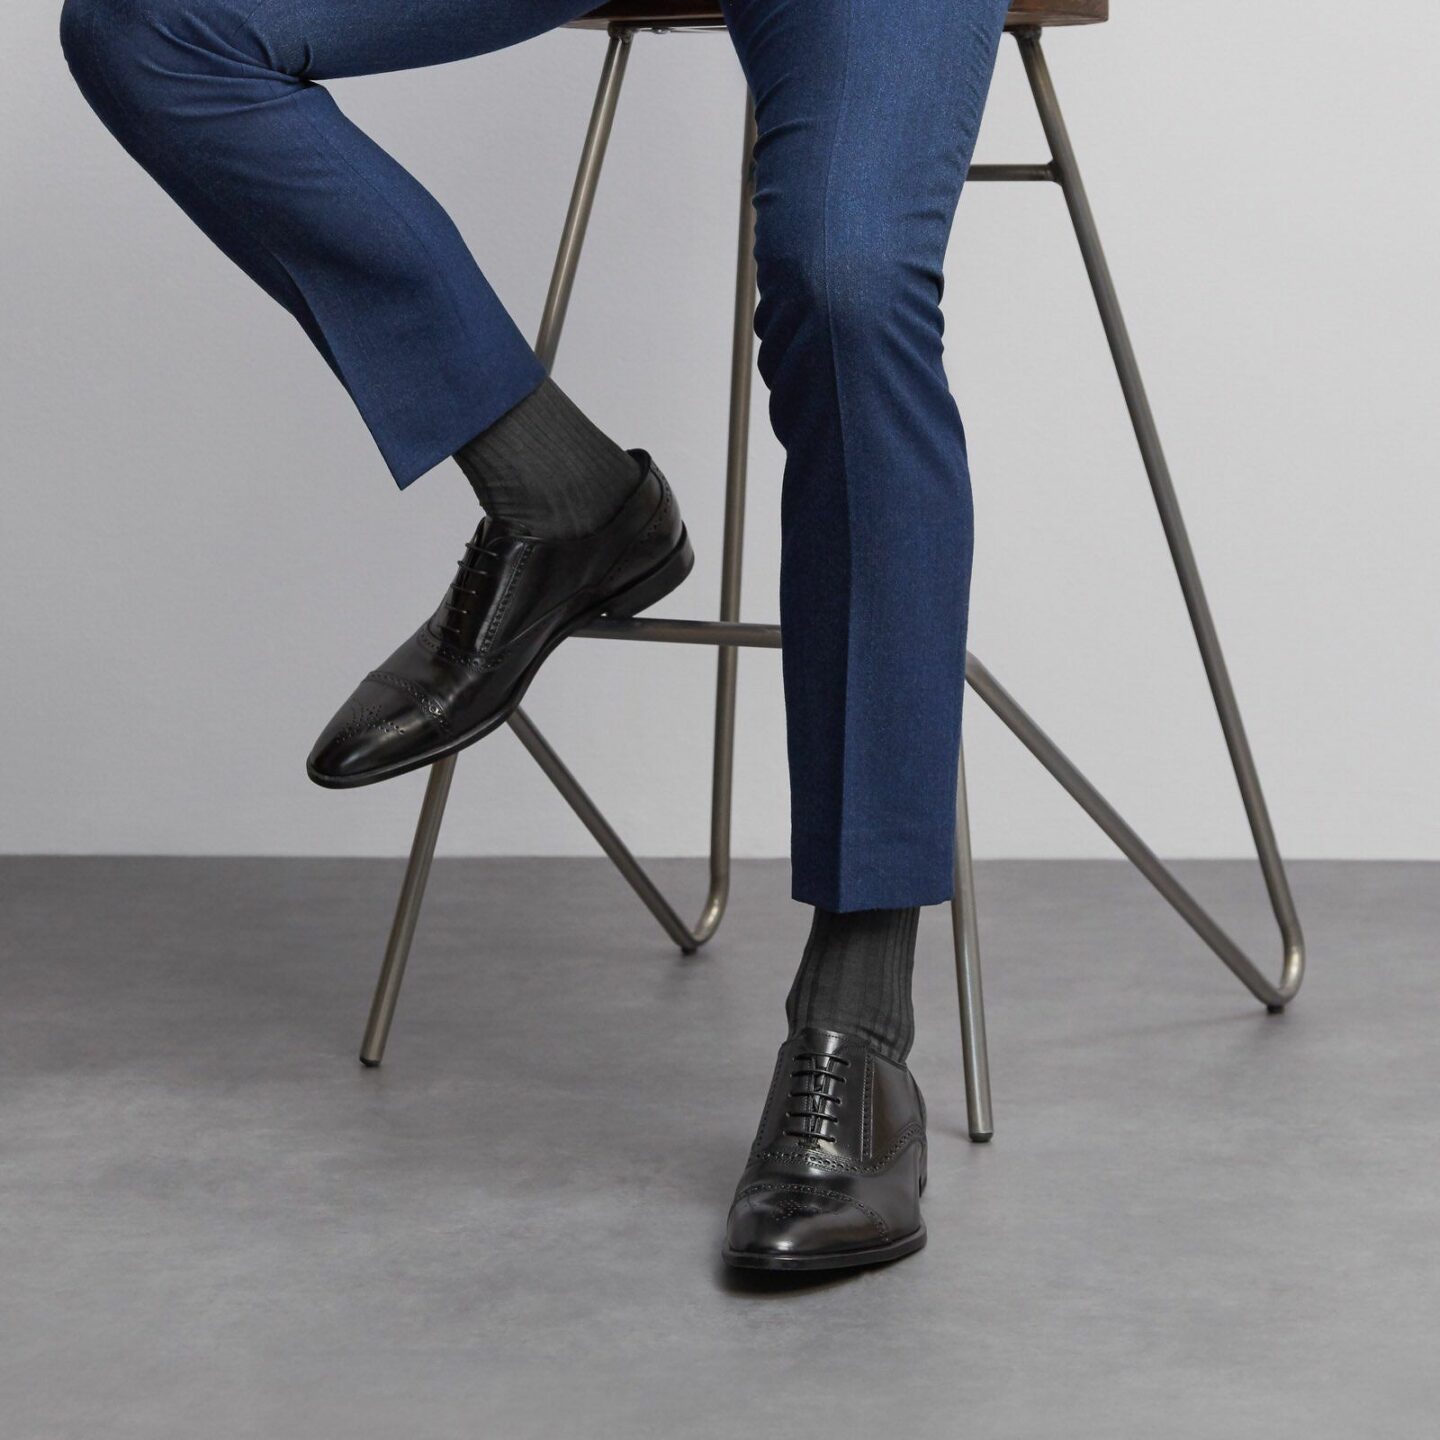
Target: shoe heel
<point x="657" y="584"/>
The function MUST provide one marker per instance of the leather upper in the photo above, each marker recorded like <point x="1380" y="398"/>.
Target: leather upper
<point x="839" y="1157"/>
<point x="514" y="596"/>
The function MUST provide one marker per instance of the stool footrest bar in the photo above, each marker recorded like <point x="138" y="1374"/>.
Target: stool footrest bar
<point x="1027" y="173"/>
<point x="687" y="632"/>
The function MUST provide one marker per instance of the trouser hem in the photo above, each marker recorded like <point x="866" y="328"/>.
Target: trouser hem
<point x="415" y="436"/>
<point x="877" y="876"/>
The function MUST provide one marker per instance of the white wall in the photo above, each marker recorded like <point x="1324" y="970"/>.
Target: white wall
<point x="201" y="553"/>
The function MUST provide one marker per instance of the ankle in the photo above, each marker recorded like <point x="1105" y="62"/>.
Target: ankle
<point x="546" y="470"/>
<point x="855" y="979"/>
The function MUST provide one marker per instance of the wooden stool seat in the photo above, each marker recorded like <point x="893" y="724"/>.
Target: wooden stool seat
<point x="698" y="12"/>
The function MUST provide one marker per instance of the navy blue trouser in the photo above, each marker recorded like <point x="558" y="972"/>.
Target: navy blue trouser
<point x="867" y="112"/>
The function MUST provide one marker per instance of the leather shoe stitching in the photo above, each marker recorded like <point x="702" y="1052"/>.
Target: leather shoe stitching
<point x="834" y="1162"/>
<point x="867" y="1109"/>
<point x="364" y="719"/>
<point x="442" y="651"/>
<point x="764" y="1188"/>
<point x="503" y="607"/>
<point x="427" y="702"/>
<point x="656" y="523"/>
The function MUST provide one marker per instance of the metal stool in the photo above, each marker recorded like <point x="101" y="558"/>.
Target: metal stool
<point x="1027" y="17"/>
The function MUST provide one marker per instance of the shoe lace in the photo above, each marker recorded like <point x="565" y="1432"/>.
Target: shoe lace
<point x="815" y="1082"/>
<point x="456" y="609"/>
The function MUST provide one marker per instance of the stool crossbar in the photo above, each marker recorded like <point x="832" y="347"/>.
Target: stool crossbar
<point x="730" y="635"/>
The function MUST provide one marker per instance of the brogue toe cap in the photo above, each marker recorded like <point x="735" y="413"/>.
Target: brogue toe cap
<point x="796" y="1221"/>
<point x="376" y="731"/>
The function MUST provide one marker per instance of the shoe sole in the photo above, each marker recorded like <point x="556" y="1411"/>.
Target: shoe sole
<point x="832" y="1260"/>
<point x="651" y="587"/>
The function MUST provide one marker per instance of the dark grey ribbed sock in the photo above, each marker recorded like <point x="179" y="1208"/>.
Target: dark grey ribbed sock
<point x="855" y="978"/>
<point x="544" y="468"/>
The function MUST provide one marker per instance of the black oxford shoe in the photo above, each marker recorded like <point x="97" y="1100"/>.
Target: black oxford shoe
<point x="835" y="1174"/>
<point x="514" y="599"/>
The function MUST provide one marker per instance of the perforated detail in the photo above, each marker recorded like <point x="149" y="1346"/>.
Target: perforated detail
<point x="503" y="608"/>
<point x="867" y="1110"/>
<point x="823" y="1160"/>
<point x="427" y="702"/>
<point x="655" y="526"/>
<point x="365" y="719"/>
<point x="769" y="1188"/>
<point x="441" y="651"/>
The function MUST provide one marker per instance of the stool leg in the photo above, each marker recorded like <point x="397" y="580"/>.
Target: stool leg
<point x="742" y="367"/>
<point x="407" y="911"/>
<point x="590" y="815"/>
<point x="1129" y="843"/>
<point x="437" y="790"/>
<point x="965" y="921"/>
<point x="1067" y="172"/>
<point x="582" y="196"/>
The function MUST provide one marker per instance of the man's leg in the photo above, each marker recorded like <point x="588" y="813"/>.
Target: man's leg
<point x="868" y="112"/>
<point x="218" y="100"/>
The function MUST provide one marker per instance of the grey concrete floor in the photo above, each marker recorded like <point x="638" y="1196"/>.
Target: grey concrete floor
<point x="1195" y="1220"/>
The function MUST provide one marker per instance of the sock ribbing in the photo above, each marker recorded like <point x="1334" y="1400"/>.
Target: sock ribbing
<point x="855" y="977"/>
<point x="547" y="469"/>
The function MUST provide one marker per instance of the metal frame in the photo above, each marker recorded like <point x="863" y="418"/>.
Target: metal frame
<point x="730" y="635"/>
